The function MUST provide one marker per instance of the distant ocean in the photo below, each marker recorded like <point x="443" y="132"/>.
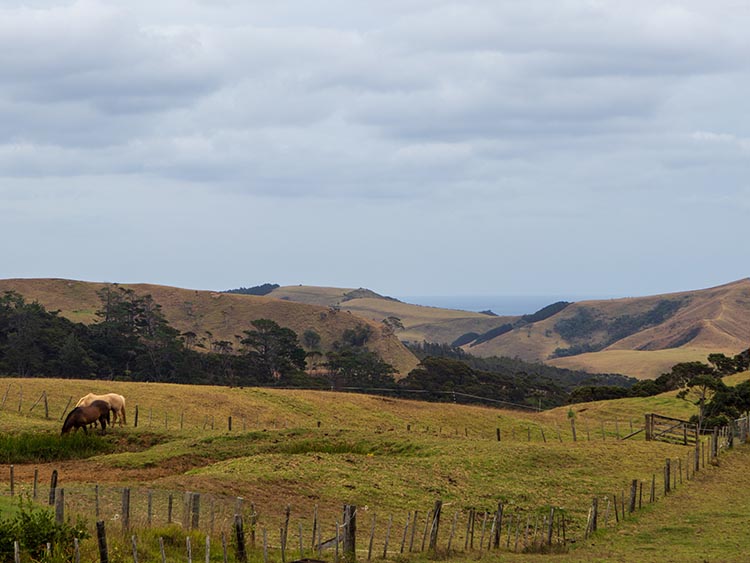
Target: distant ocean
<point x="498" y="304"/>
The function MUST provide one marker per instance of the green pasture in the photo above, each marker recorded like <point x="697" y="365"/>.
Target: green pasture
<point x="318" y="450"/>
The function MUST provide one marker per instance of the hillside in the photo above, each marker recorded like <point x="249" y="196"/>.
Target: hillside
<point x="688" y="324"/>
<point x="431" y="324"/>
<point x="215" y="316"/>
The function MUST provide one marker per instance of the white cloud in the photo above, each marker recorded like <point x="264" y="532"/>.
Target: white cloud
<point x="489" y="120"/>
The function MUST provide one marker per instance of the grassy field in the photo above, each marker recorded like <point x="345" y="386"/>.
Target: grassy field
<point x="641" y="364"/>
<point x="389" y="457"/>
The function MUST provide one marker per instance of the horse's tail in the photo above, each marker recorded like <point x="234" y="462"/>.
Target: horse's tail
<point x="122" y="413"/>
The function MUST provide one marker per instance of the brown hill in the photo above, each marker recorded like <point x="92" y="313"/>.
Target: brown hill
<point x="215" y="316"/>
<point x="421" y="323"/>
<point x="694" y="322"/>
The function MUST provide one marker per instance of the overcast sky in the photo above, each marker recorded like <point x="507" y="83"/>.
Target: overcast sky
<point x="415" y="147"/>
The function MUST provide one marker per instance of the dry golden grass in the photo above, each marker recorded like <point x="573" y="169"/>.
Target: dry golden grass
<point x="222" y="315"/>
<point x="635" y="363"/>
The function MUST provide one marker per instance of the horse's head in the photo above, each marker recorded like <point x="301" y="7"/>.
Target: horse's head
<point x="68" y="425"/>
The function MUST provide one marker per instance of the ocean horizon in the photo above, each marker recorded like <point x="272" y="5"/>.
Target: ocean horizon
<point x="501" y="305"/>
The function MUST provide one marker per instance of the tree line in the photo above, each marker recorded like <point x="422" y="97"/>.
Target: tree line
<point x="133" y="341"/>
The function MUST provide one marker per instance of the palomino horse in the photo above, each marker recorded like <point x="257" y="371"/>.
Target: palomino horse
<point x="116" y="403"/>
<point x="81" y="417"/>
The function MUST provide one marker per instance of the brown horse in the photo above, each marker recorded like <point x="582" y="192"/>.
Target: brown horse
<point x="80" y="417"/>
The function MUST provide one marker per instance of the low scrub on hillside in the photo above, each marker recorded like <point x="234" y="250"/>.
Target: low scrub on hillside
<point x="263" y="289"/>
<point x="587" y="332"/>
<point x="474" y="339"/>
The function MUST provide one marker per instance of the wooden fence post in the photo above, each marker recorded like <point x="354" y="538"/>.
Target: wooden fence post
<point x="436" y="510"/>
<point x="12" y="481"/>
<point x="413" y="531"/>
<point x="498" y="526"/>
<point x="5" y="397"/>
<point x="387" y="537"/>
<point x="406" y="530"/>
<point x="134" y="545"/>
<point x="36" y="483"/>
<point x="350" y="533"/>
<point x="125" y="509"/>
<point x="195" y="509"/>
<point x="70" y="399"/>
<point x="285" y="529"/>
<point x="253" y="522"/>
<point x="135" y="421"/>
<point x="633" y="494"/>
<point x="60" y="507"/>
<point x="426" y="529"/>
<point x="101" y="536"/>
<point x="369" y="545"/>
<point x="52" y="487"/>
<point x="594" y="513"/>
<point x="239" y="534"/>
<point x="551" y="525"/>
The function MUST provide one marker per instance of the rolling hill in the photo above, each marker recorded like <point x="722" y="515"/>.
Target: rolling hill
<point x="215" y="316"/>
<point x="431" y="324"/>
<point x="639" y="336"/>
<point x="678" y="326"/>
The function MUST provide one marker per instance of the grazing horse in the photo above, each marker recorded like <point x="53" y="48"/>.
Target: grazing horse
<point x="80" y="417"/>
<point x="116" y="403"/>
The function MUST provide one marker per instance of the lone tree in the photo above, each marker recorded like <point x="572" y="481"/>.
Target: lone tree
<point x="700" y="389"/>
